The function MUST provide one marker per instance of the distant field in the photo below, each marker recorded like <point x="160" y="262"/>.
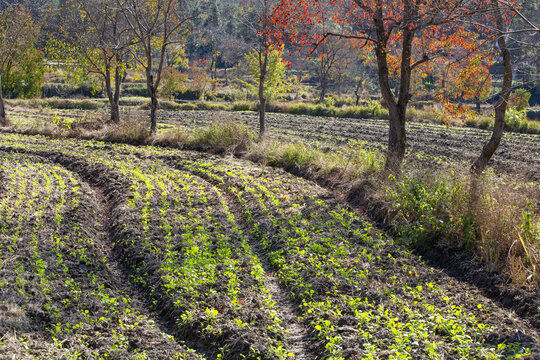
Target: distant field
<point x="122" y="252"/>
<point x="518" y="153"/>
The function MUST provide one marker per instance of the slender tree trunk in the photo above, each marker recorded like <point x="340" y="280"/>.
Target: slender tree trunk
<point x="502" y="103"/>
<point x="262" y="108"/>
<point x="153" y="101"/>
<point x="153" y="110"/>
<point x="117" y="89"/>
<point x="113" y="104"/>
<point x="357" y="92"/>
<point x="323" y="89"/>
<point x="3" y="116"/>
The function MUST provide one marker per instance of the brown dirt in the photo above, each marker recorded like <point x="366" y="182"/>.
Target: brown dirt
<point x="108" y="194"/>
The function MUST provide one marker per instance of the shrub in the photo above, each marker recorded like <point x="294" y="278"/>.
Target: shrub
<point x="470" y="122"/>
<point x="69" y="104"/>
<point x="490" y="218"/>
<point x="223" y="137"/>
<point x="486" y="123"/>
<point x="135" y="90"/>
<point x="188" y="94"/>
<point x="67" y="91"/>
<point x="519" y="99"/>
<point x="172" y="82"/>
<point x="299" y="109"/>
<point x="244" y="106"/>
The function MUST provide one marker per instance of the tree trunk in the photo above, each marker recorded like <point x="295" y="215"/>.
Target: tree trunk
<point x="323" y="90"/>
<point x="397" y="140"/>
<point x="3" y="116"/>
<point x="262" y="108"/>
<point x="357" y="92"/>
<point x="153" y="111"/>
<point x="502" y="103"/>
<point x="116" y="97"/>
<point x="113" y="104"/>
<point x="153" y="102"/>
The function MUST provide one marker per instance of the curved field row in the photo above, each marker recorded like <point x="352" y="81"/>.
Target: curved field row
<point x="61" y="294"/>
<point x="242" y="262"/>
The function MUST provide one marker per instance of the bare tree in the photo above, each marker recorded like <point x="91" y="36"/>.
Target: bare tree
<point x="17" y="29"/>
<point x="155" y="25"/>
<point x="94" y="39"/>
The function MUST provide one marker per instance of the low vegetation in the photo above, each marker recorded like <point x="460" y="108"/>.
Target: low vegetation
<point x="224" y="252"/>
<point x="424" y="207"/>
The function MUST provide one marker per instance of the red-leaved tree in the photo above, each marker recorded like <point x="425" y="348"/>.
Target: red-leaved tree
<point x="404" y="36"/>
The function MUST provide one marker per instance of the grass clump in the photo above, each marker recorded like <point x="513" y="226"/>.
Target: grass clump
<point x="132" y="131"/>
<point x="335" y="165"/>
<point x="220" y="137"/>
<point x="56" y="103"/>
<point x="244" y="106"/>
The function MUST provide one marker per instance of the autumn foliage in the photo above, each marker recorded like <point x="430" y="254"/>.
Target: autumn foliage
<point x="405" y="36"/>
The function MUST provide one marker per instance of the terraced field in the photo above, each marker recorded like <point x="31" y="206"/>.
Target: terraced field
<point x="121" y="252"/>
<point x="517" y="154"/>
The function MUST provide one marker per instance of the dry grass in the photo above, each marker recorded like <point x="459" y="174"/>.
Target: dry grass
<point x="508" y="229"/>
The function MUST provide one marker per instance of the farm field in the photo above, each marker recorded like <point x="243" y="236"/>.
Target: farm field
<point x="517" y="154"/>
<point x="123" y="252"/>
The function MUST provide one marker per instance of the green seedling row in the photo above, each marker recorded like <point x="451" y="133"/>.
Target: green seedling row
<point x="59" y="297"/>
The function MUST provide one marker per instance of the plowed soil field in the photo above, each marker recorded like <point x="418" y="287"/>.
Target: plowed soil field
<point x="122" y="252"/>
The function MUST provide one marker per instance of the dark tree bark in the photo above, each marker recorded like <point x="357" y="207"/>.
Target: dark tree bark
<point x="357" y="92"/>
<point x="502" y="103"/>
<point x="113" y="94"/>
<point x="262" y="98"/>
<point x="153" y="102"/>
<point x="397" y="139"/>
<point x="324" y="86"/>
<point x="3" y="116"/>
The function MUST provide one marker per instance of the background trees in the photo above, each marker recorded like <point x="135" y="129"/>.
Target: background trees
<point x="403" y="35"/>
<point x="94" y="39"/>
<point x="18" y="32"/>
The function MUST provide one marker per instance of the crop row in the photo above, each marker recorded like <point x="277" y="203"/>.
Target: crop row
<point x="360" y="299"/>
<point x="182" y="245"/>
